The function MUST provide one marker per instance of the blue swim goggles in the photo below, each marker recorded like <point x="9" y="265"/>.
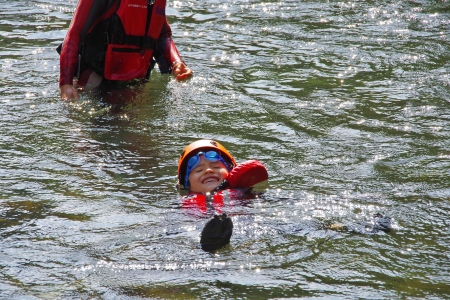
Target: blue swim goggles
<point x="211" y="155"/>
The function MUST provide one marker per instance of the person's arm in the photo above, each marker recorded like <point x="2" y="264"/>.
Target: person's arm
<point x="85" y="15"/>
<point x="245" y="175"/>
<point x="168" y="57"/>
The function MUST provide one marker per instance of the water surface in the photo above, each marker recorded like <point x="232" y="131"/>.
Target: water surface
<point x="346" y="103"/>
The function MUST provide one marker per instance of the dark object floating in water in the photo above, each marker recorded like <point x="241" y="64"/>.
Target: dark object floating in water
<point x="381" y="223"/>
<point x="378" y="224"/>
<point x="216" y="233"/>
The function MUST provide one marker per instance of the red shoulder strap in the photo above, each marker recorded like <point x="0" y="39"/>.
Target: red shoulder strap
<point x="158" y="19"/>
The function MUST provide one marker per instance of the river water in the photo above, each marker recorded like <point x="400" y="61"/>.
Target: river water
<point x="346" y="103"/>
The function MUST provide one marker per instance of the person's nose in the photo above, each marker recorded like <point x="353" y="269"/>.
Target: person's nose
<point x="209" y="170"/>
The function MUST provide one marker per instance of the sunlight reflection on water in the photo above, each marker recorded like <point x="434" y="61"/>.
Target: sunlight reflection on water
<point x="345" y="103"/>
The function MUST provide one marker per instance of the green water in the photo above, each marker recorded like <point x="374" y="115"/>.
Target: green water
<point x="346" y="103"/>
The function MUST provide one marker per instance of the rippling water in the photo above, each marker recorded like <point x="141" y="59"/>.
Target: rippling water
<point x="346" y="103"/>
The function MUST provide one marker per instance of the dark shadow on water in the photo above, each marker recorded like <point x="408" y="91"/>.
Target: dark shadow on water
<point x="121" y="96"/>
<point x="15" y="214"/>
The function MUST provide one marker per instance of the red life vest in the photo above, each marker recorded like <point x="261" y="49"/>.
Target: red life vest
<point x="120" y="46"/>
<point x="200" y="202"/>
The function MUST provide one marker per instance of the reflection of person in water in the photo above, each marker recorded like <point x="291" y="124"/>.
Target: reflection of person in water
<point x="206" y="169"/>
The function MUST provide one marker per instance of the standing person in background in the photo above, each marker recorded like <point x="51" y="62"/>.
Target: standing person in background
<point x="117" y="40"/>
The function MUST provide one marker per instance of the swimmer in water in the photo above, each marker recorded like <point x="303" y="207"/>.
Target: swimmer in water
<point x="205" y="170"/>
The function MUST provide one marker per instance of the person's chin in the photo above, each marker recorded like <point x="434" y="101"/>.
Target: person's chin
<point x="210" y="186"/>
<point x="205" y="187"/>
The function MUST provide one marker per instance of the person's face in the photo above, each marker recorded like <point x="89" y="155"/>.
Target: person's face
<point x="207" y="175"/>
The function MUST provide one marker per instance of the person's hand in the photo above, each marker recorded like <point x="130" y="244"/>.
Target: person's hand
<point x="216" y="233"/>
<point x="181" y="71"/>
<point x="68" y="92"/>
<point x="247" y="174"/>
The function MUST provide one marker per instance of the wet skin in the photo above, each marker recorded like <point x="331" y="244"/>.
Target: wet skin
<point x="206" y="176"/>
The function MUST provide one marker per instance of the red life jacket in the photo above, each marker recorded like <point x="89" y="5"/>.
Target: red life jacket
<point x="200" y="202"/>
<point x="120" y="46"/>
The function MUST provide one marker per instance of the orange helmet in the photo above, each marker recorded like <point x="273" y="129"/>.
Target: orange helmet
<point x="201" y="145"/>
